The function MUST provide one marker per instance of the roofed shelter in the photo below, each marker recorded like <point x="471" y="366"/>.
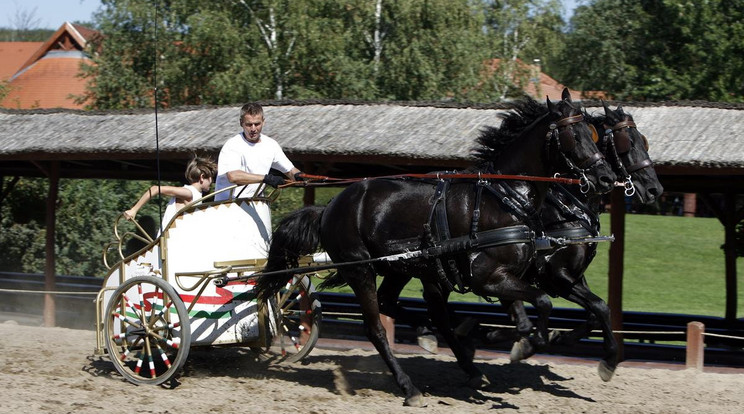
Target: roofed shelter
<point x="696" y="148"/>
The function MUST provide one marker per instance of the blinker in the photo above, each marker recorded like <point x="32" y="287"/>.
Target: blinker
<point x="622" y="141"/>
<point x="595" y="135"/>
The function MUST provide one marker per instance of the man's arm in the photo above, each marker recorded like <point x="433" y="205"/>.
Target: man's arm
<point x="243" y="178"/>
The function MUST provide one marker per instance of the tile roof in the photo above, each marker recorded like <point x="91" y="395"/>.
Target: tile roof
<point x="14" y="54"/>
<point x="48" y="83"/>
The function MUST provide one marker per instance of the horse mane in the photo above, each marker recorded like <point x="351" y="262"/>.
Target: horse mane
<point x="493" y="141"/>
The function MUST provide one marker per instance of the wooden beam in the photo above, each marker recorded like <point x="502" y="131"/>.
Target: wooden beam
<point x="50" y="282"/>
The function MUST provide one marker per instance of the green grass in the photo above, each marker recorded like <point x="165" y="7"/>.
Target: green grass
<point x="672" y="265"/>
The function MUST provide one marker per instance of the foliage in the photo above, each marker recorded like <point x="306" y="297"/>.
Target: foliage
<point x="528" y="31"/>
<point x="86" y="210"/>
<point x="657" y="50"/>
<point x="4" y="89"/>
<point x="296" y="49"/>
<point x="24" y="35"/>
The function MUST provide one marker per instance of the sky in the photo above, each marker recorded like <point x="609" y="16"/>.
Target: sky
<point x="50" y="14"/>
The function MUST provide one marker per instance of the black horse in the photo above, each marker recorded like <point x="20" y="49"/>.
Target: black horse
<point x="568" y="215"/>
<point x="471" y="233"/>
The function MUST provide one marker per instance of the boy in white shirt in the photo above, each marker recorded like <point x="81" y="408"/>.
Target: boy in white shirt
<point x="200" y="173"/>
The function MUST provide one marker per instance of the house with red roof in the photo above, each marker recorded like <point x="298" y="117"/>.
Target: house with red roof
<point x="533" y="81"/>
<point x="45" y="74"/>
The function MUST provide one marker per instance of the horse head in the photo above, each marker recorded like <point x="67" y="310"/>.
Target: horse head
<point x="573" y="141"/>
<point x="627" y="150"/>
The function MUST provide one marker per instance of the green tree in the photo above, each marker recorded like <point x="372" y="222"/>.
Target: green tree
<point x="433" y="50"/>
<point x="657" y="50"/>
<point x="695" y="50"/>
<point x="609" y="37"/>
<point x="86" y="210"/>
<point x="520" y="33"/>
<point x="228" y="52"/>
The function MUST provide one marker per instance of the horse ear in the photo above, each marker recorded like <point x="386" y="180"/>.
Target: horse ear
<point x="551" y="107"/>
<point x="566" y="95"/>
<point x="606" y="108"/>
<point x="620" y="109"/>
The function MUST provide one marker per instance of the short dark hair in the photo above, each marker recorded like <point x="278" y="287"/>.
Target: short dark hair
<point x="250" y="109"/>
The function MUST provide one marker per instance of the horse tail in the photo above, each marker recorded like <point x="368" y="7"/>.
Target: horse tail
<point x="296" y="235"/>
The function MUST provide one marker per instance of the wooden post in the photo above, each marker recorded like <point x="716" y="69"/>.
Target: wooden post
<point x="615" y="272"/>
<point x="308" y="194"/>
<point x="695" y="345"/>
<point x="729" y="221"/>
<point x="50" y="282"/>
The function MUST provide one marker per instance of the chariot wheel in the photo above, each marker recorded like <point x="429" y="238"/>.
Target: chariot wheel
<point x="147" y="330"/>
<point x="295" y="315"/>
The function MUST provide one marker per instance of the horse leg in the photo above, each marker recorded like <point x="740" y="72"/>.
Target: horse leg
<point x="508" y="289"/>
<point x="362" y="282"/>
<point x="436" y="301"/>
<point x="523" y="325"/>
<point x="388" y="294"/>
<point x="582" y="295"/>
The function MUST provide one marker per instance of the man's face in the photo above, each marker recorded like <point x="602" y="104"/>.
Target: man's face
<point x="252" y="125"/>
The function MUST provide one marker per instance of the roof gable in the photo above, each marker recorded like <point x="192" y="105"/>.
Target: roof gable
<point x="66" y="38"/>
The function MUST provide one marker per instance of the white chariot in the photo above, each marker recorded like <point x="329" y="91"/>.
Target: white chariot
<point x="171" y="294"/>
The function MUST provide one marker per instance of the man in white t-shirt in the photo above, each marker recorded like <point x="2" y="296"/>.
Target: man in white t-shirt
<point x="246" y="160"/>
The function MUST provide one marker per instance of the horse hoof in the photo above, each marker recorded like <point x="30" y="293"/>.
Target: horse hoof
<point x="416" y="400"/>
<point x="605" y="371"/>
<point x="429" y="343"/>
<point x="477" y="382"/>
<point x="521" y="349"/>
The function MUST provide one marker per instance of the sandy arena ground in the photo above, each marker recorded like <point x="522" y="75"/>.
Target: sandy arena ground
<point x="53" y="370"/>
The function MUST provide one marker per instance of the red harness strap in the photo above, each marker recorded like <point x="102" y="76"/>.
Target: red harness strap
<point x="316" y="180"/>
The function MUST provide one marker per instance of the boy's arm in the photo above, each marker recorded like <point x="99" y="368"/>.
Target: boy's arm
<point x="180" y="193"/>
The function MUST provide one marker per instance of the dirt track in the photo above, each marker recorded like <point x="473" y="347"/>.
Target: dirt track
<point x="53" y="370"/>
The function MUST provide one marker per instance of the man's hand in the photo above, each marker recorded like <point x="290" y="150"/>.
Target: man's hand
<point x="273" y="180"/>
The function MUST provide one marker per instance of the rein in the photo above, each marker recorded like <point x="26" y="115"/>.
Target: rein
<point x="320" y="180"/>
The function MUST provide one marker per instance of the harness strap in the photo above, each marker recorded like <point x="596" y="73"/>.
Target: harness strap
<point x="441" y="233"/>
<point x="591" y="224"/>
<point x="519" y="233"/>
<point x="476" y="208"/>
<point x="570" y="233"/>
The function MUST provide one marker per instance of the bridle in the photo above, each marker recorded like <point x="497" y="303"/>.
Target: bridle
<point x="617" y="140"/>
<point x="562" y="136"/>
